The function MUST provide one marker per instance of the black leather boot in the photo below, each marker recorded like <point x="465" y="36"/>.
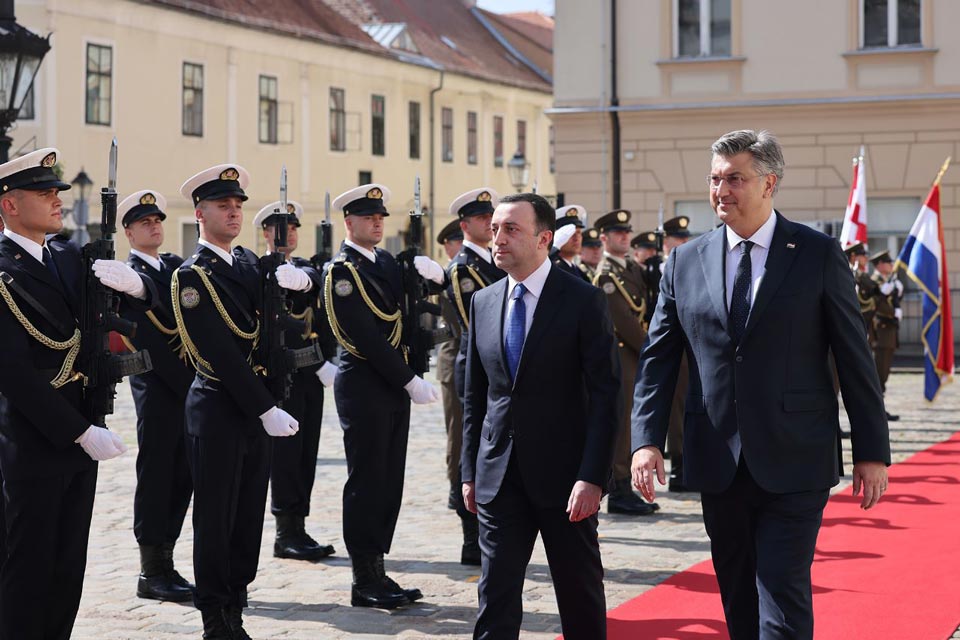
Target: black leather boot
<point x="294" y="543"/>
<point x="411" y="594"/>
<point x="470" y="552"/>
<point x="623" y="500"/>
<point x="233" y="614"/>
<point x="676" y="475"/>
<point x="368" y="589"/>
<point x="155" y="583"/>
<point x="215" y="625"/>
<point x="166" y="550"/>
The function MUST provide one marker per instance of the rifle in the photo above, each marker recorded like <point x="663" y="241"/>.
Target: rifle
<point x="325" y="254"/>
<point x="99" y="315"/>
<point x="417" y="340"/>
<point x="275" y="361"/>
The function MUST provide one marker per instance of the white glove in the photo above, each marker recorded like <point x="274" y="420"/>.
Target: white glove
<point x="886" y="288"/>
<point x="119" y="277"/>
<point x="898" y="314"/>
<point x="327" y="372"/>
<point x="100" y="443"/>
<point x="899" y="286"/>
<point x="290" y="277"/>
<point x="563" y="235"/>
<point x="278" y="423"/>
<point x="428" y="269"/>
<point x="421" y="391"/>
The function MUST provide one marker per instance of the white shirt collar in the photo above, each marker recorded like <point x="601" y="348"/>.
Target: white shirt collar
<point x="28" y="245"/>
<point x="534" y="282"/>
<point x="366" y="253"/>
<point x="483" y="252"/>
<point x="762" y="236"/>
<point x="226" y="255"/>
<point x="620" y="261"/>
<point x="150" y="260"/>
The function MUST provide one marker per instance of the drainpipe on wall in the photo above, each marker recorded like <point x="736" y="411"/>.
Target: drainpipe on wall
<point x="433" y="162"/>
<point x="614" y="103"/>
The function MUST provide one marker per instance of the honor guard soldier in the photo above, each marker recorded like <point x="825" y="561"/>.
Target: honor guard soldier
<point x="568" y="240"/>
<point x="866" y="288"/>
<point x="886" y="321"/>
<point x="591" y="252"/>
<point x="164" y="485"/>
<point x="230" y="413"/>
<point x="469" y="271"/>
<point x="622" y="281"/>
<point x="644" y="247"/>
<point x="373" y="389"/>
<point x="49" y="448"/>
<point x="294" y="465"/>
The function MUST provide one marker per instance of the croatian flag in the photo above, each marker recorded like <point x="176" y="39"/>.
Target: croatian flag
<point x="925" y="261"/>
<point x="854" y="228"/>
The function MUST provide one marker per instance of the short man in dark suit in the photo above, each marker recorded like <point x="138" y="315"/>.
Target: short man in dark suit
<point x="756" y="304"/>
<point x="164" y="486"/>
<point x="539" y="424"/>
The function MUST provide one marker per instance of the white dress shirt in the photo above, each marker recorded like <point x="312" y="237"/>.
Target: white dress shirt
<point x="534" y="284"/>
<point x="226" y="255"/>
<point x="28" y="245"/>
<point x="150" y="260"/>
<point x="366" y="253"/>
<point x="761" y="240"/>
<point x="483" y="252"/>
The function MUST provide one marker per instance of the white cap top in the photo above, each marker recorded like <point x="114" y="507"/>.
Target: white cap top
<point x="221" y="181"/>
<point x="367" y="199"/>
<point x="141" y="203"/>
<point x="571" y="211"/>
<point x="294" y="208"/>
<point x="32" y="171"/>
<point x="486" y="200"/>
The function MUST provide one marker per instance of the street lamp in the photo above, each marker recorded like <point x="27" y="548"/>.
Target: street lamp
<point x="519" y="170"/>
<point x="81" y="184"/>
<point x="21" y="52"/>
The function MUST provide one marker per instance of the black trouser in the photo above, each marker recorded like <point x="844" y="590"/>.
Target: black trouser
<point x="375" y="440"/>
<point x="230" y="474"/>
<point x="48" y="525"/>
<point x="508" y="530"/>
<point x="762" y="545"/>
<point x="164" y="485"/>
<point x="294" y="464"/>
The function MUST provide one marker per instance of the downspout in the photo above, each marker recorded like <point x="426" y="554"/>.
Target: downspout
<point x="614" y="103"/>
<point x="433" y="161"/>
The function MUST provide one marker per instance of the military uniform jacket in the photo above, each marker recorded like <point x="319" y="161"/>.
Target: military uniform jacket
<point x="627" y="297"/>
<point x="885" y="322"/>
<point x="588" y="271"/>
<point x="363" y="307"/>
<point x="157" y="327"/>
<point x="467" y="273"/>
<point x="216" y="306"/>
<point x="309" y="317"/>
<point x="575" y="271"/>
<point x="40" y="421"/>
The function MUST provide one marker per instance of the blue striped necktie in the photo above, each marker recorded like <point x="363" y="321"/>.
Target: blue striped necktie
<point x="516" y="329"/>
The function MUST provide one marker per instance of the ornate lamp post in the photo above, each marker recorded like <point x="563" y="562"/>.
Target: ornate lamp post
<point x="21" y="52"/>
<point x="81" y="185"/>
<point x="519" y="170"/>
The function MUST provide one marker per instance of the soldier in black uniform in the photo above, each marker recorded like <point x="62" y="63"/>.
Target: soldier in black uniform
<point x="373" y="389"/>
<point x="867" y="289"/>
<point x="469" y="271"/>
<point x="164" y="486"/>
<point x="643" y="246"/>
<point x="48" y="448"/>
<point x="568" y="240"/>
<point x="294" y="465"/>
<point x="230" y="414"/>
<point x="591" y="252"/>
<point x="886" y="321"/>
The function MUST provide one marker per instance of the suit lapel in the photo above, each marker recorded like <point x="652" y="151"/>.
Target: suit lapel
<point x="783" y="250"/>
<point x="498" y="305"/>
<point x="713" y="262"/>
<point x="546" y="311"/>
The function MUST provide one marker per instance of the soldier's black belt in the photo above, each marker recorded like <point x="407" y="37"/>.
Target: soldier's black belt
<point x="130" y="364"/>
<point x="304" y="357"/>
<point x="35" y="304"/>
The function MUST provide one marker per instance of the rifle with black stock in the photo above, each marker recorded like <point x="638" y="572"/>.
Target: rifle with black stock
<point x="99" y="315"/>
<point x="275" y="361"/>
<point x="325" y="255"/>
<point x="417" y="339"/>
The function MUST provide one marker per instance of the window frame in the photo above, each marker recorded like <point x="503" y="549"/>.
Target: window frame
<point x="498" y="141"/>
<point x="522" y="137"/>
<point x="337" y="118"/>
<point x="197" y="91"/>
<point x="473" y="156"/>
<point x="893" y="27"/>
<point x="378" y="122"/>
<point x="273" y="110"/>
<point x="706" y="34"/>
<point x="86" y="87"/>
<point x="414" y="126"/>
<point x="446" y="134"/>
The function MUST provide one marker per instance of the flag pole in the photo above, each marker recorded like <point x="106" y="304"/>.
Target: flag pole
<point x="943" y="170"/>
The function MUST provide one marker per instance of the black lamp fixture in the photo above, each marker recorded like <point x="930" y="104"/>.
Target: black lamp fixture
<point x="21" y="52"/>
<point x="82" y="184"/>
<point x="81" y="191"/>
<point x="519" y="170"/>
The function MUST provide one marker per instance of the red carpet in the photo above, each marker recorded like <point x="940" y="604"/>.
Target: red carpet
<point x="891" y="572"/>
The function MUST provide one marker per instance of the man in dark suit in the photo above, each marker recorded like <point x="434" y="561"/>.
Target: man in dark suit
<point x="756" y="304"/>
<point x="49" y="447"/>
<point x="164" y="486"/>
<point x="539" y="424"/>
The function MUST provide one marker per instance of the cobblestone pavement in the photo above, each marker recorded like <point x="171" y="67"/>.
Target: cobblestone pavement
<point x="293" y="600"/>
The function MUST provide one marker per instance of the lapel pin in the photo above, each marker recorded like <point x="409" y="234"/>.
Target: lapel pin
<point x="790" y="245"/>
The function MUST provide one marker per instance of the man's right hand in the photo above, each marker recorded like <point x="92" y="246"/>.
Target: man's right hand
<point x="646" y="460"/>
<point x="469" y="496"/>
<point x="101" y="444"/>
<point x="278" y="423"/>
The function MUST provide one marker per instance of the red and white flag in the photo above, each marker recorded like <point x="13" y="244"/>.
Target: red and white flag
<point x="855" y="217"/>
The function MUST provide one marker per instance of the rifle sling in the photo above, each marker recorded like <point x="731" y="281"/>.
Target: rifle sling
<point x="226" y="291"/>
<point x="35" y="304"/>
<point x="376" y="287"/>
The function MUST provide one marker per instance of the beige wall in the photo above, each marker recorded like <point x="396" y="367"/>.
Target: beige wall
<point x="150" y="45"/>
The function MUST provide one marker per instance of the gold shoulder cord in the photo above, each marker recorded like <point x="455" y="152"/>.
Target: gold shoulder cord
<point x="193" y="354"/>
<point x="335" y="326"/>
<point x="307" y="318"/>
<point x="253" y="335"/>
<point x="71" y="346"/>
<point x="458" y="296"/>
<point x="638" y="309"/>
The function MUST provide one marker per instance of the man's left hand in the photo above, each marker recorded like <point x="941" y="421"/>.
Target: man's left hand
<point x="872" y="476"/>
<point x="584" y="500"/>
<point x="119" y="277"/>
<point x="429" y="269"/>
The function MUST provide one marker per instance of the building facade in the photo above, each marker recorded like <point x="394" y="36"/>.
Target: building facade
<point x="337" y="95"/>
<point x="826" y="76"/>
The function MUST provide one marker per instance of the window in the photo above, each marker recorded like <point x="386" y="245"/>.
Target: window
<point x="99" y="83"/>
<point x="553" y="149"/>
<point x="522" y="137"/>
<point x="27" y="110"/>
<point x="366" y="177"/>
<point x="377" y="125"/>
<point x="446" y="138"/>
<point x="268" y="109"/>
<point x="471" y="137"/>
<point x="338" y="120"/>
<point x="192" y="99"/>
<point x="890" y="23"/>
<point x="702" y="28"/>
<point x="414" y="108"/>
<point x="497" y="141"/>
<point x="189" y="232"/>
